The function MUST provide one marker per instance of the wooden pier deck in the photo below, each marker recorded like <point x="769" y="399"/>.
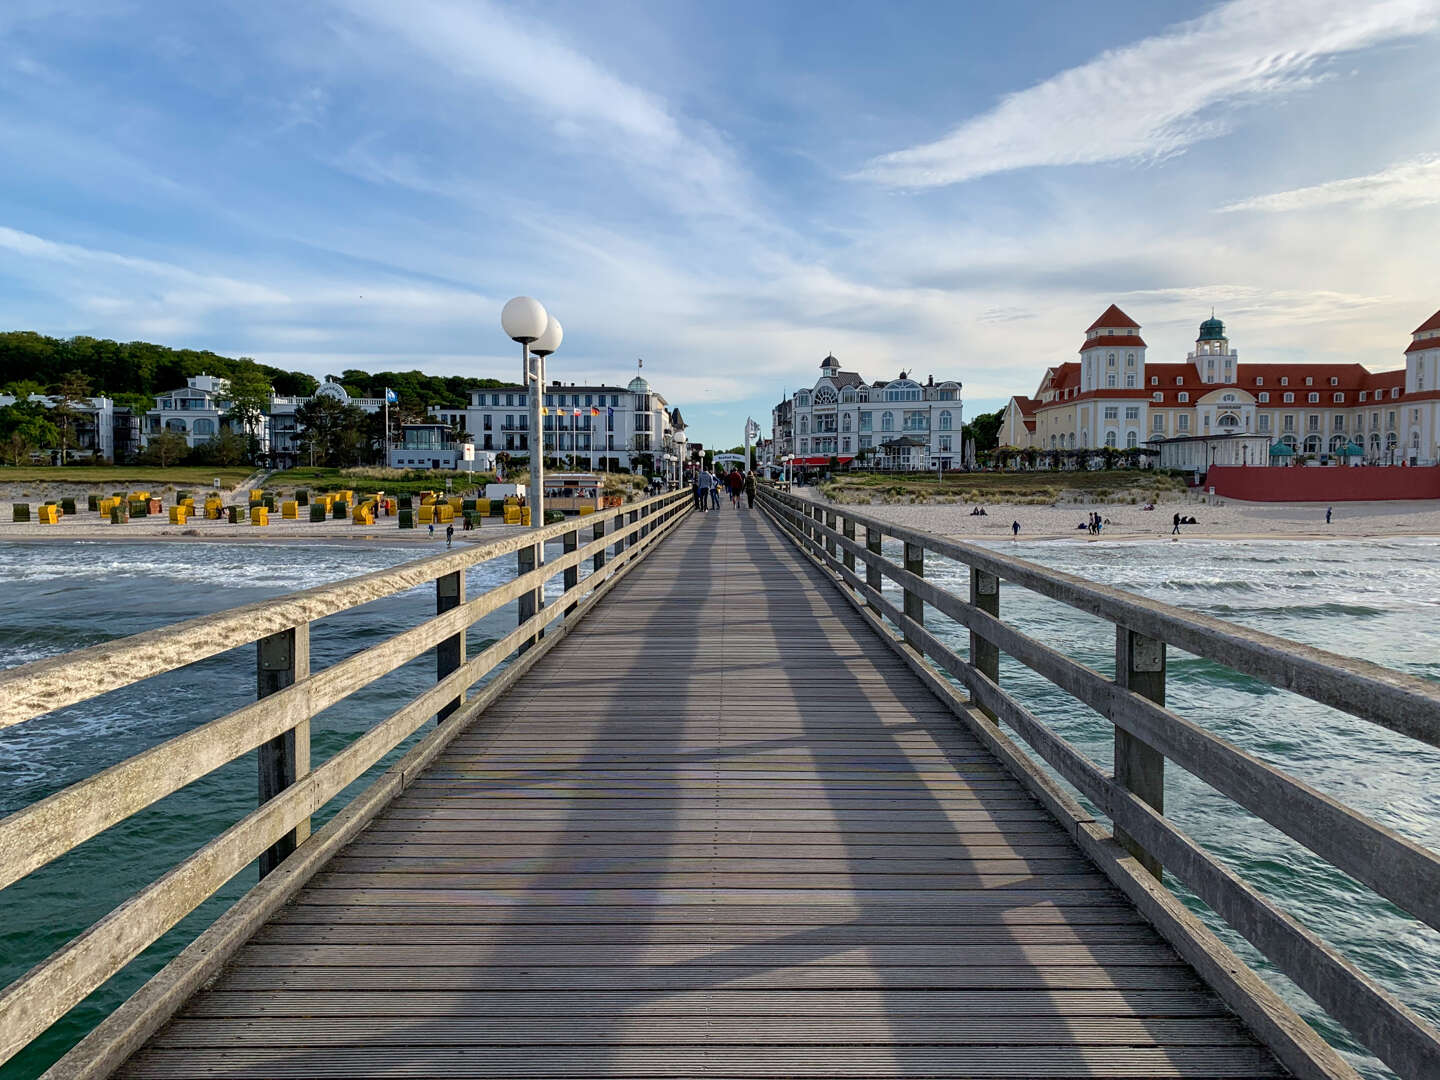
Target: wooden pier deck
<point x="718" y="830"/>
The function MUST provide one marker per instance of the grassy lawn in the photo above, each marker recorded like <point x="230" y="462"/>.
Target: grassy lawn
<point x="1032" y="488"/>
<point x="125" y="476"/>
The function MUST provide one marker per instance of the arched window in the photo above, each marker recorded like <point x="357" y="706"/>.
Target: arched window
<point x="845" y="422"/>
<point x="1052" y="442"/>
<point x="175" y="424"/>
<point x="1290" y="441"/>
<point x="1132" y="439"/>
<point x="802" y="399"/>
<point x="804" y="425"/>
<point x="1336" y="443"/>
<point x="825" y="396"/>
<point x="1228" y="420"/>
<point x="1391" y="441"/>
<point x="1110" y="439"/>
<point x="1110" y="360"/>
<point x="1130" y="359"/>
<point x="203" y="427"/>
<point x="1312" y="444"/>
<point x="1072" y="440"/>
<point x="945" y="422"/>
<point x="887" y="421"/>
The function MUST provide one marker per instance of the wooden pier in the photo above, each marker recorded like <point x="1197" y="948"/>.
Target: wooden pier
<point x="728" y="822"/>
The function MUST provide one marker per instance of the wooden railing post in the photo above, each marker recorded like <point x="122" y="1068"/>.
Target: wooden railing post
<point x="619" y="545"/>
<point x="830" y="546"/>
<point x="597" y="532"/>
<point x="1139" y="767"/>
<point x="985" y="655"/>
<point x="873" y="540"/>
<point x="914" y="606"/>
<point x="634" y="537"/>
<point x="450" y="653"/>
<point x="847" y="529"/>
<point x="280" y="660"/>
<point x="530" y="599"/>
<point x="569" y="542"/>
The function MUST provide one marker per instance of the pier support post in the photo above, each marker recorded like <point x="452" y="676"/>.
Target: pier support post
<point x="597" y="532"/>
<point x="529" y="602"/>
<point x="985" y="655"/>
<point x="872" y="572"/>
<point x="847" y="529"/>
<point x="1139" y="767"/>
<point x="450" y="653"/>
<point x="914" y="606"/>
<point x="569" y="542"/>
<point x="280" y="660"/>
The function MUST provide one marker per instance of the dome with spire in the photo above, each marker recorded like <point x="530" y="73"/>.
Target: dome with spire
<point x="638" y="385"/>
<point x="1212" y="329"/>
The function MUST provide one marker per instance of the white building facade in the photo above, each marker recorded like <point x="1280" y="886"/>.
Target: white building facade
<point x="899" y="424"/>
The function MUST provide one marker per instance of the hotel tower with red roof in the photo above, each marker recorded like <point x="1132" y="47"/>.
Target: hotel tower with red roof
<point x="1114" y="397"/>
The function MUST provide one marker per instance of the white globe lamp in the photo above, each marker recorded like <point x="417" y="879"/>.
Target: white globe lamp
<point x="550" y="340"/>
<point x="524" y="319"/>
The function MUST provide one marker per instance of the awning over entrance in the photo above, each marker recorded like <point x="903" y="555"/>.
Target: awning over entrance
<point x="820" y="460"/>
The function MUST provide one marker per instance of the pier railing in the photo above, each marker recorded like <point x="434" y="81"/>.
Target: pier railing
<point x="277" y="726"/>
<point x="1146" y="736"/>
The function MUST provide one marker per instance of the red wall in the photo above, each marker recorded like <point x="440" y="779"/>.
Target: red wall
<point x="1341" y="483"/>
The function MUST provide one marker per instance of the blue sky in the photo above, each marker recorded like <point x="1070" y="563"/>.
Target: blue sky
<point x="728" y="190"/>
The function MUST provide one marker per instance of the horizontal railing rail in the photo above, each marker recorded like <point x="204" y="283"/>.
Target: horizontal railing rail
<point x="1147" y="734"/>
<point x="277" y="726"/>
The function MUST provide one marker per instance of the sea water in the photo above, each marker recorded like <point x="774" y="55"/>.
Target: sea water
<point x="1375" y="600"/>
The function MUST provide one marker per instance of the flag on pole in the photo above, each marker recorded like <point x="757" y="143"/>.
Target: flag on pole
<point x="576" y="412"/>
<point x="594" y="411"/>
<point x="390" y="396"/>
<point x="544" y="411"/>
<point x="609" y="411"/>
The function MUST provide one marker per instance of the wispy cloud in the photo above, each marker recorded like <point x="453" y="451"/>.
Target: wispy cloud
<point x="1403" y="186"/>
<point x="1159" y="95"/>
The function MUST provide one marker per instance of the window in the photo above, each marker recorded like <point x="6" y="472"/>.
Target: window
<point x="1395" y="391"/>
<point x="1228" y="420"/>
<point x="1339" y="421"/>
<point x="887" y="421"/>
<point x="845" y="422"/>
<point x="1158" y="422"/>
<point x="945" y="443"/>
<point x="804" y="425"/>
<point x="1112" y="412"/>
<point x="1289" y="397"/>
<point x="1182" y="422"/>
<point x="1110" y="382"/>
<point x="1334" y="381"/>
<point x="1290" y="422"/>
<point x="1132" y="412"/>
<point x="1179" y="380"/>
<point x="1130" y="382"/>
<point x="1309" y="380"/>
<point x="867" y="421"/>
<point x="1259" y="380"/>
<point x="1284" y="380"/>
<point x="1312" y="397"/>
<point x="1264" y="396"/>
<point x="1362" y="395"/>
<point x="1312" y="423"/>
<point x="1110" y="360"/>
<point x="1264" y="421"/>
<point x="802" y="400"/>
<point x="1154" y="380"/>
<point x="1110" y="439"/>
<point x="1182" y="396"/>
<point x="1157" y="396"/>
<point x="1337" y="397"/>
<point x="1132" y="439"/>
<point x="945" y="420"/>
<point x="1130" y="359"/>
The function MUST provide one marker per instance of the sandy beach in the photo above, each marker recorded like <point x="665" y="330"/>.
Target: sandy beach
<point x="1227" y="520"/>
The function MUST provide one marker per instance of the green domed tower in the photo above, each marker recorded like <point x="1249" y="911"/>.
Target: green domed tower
<point x="1212" y="329"/>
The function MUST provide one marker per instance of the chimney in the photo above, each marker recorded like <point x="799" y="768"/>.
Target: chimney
<point x="930" y="381"/>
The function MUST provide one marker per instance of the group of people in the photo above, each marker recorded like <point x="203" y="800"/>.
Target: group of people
<point x="1175" y="531"/>
<point x="707" y="487"/>
<point x="1093" y="523"/>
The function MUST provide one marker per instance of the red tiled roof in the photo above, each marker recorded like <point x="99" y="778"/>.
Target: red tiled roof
<point x="1424" y="343"/>
<point x="1113" y="317"/>
<point x="1117" y="341"/>
<point x="1025" y="404"/>
<point x="1029" y="425"/>
<point x="1432" y="323"/>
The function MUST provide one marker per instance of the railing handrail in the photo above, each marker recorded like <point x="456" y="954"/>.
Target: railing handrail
<point x="1146" y="734"/>
<point x="42" y="686"/>
<point x="1403" y="703"/>
<point x="43" y="831"/>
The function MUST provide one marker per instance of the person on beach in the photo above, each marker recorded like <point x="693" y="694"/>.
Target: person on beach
<point x="1175" y="529"/>
<point x="449" y="536"/>
<point x="1328" y="510"/>
<point x="1015" y="529"/>
<point x="750" y="491"/>
<point x="432" y="530"/>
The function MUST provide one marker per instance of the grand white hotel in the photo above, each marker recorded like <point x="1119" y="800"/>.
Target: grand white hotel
<point x="895" y="424"/>
<point x="1113" y="396"/>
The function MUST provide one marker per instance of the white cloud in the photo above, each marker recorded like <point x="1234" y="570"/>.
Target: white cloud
<point x="1403" y="186"/>
<point x="1159" y="95"/>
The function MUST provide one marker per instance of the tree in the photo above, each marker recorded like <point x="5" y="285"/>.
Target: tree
<point x="984" y="430"/>
<point x="331" y="433"/>
<point x="165" y="448"/>
<point x="25" y="428"/>
<point x="249" y="400"/>
<point x="227" y="448"/>
<point x="73" y="389"/>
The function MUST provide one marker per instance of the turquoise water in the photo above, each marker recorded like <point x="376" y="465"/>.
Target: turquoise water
<point x="1379" y="601"/>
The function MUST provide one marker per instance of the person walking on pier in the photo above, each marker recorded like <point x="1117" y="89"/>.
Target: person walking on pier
<point x="703" y="480"/>
<point x="449" y="536"/>
<point x="716" y="483"/>
<point x="750" y="490"/>
<point x="736" y="484"/>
